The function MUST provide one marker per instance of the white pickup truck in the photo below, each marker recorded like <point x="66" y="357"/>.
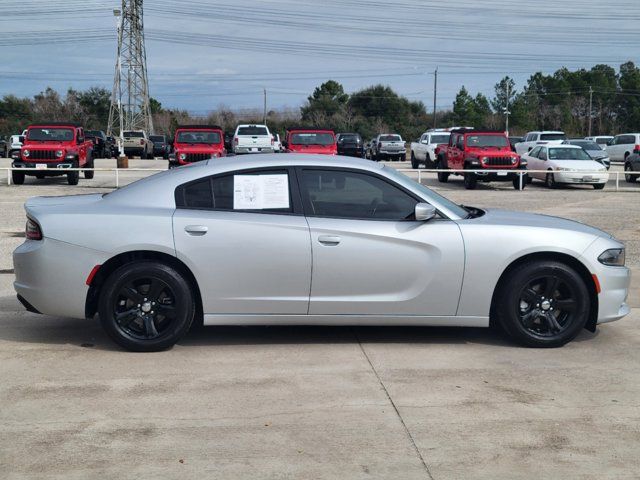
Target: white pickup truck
<point x="136" y="142"/>
<point x="539" y="138"/>
<point x="252" y="139"/>
<point x="423" y="149"/>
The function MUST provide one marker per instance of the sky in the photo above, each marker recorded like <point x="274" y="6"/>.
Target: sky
<point x="203" y="54"/>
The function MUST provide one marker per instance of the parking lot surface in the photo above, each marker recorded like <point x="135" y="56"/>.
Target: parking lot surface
<point x="320" y="402"/>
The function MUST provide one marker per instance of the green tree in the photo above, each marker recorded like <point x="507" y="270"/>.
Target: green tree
<point x="464" y="111"/>
<point x="327" y="100"/>
<point x="629" y="97"/>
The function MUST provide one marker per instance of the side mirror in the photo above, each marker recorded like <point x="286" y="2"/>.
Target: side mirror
<point x="424" y="212"/>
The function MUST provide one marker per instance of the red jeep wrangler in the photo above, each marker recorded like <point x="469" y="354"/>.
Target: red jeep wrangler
<point x="311" y="140"/>
<point x="52" y="148"/>
<point x="193" y="143"/>
<point x="480" y="150"/>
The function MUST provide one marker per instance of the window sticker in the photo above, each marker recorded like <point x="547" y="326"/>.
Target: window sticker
<point x="258" y="192"/>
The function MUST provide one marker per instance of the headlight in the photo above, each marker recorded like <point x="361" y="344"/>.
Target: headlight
<point x="59" y="153"/>
<point x="614" y="257"/>
<point x="183" y="156"/>
<point x="484" y="159"/>
<point x="26" y="153"/>
<point x="514" y="160"/>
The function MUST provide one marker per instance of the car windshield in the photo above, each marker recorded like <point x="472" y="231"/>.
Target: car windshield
<point x="552" y="136"/>
<point x="487" y="141"/>
<point x="156" y="138"/>
<point x="134" y="134"/>
<point x="427" y="193"/>
<point x="349" y="137"/>
<point x="198" y="136"/>
<point x="439" y="138"/>
<point x="253" y="131"/>
<point x="586" y="144"/>
<point x="390" y="138"/>
<point x="312" y="138"/>
<point x="50" y="134"/>
<point x="560" y="153"/>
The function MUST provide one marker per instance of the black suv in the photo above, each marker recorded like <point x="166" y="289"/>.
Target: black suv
<point x="350" y="144"/>
<point x="160" y="146"/>
<point x="99" y="139"/>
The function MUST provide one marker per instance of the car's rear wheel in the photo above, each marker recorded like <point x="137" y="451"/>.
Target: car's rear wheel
<point x="17" y="177"/>
<point x="542" y="304"/>
<point x="598" y="186"/>
<point x="146" y="306"/>
<point x="627" y="176"/>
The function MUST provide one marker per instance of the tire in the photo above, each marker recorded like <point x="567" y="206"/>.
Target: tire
<point x="542" y="303"/>
<point x="443" y="177"/>
<point x="470" y="181"/>
<point x="550" y="181"/>
<point x="428" y="163"/>
<point x="627" y="177"/>
<point x="168" y="295"/>
<point x="73" y="177"/>
<point x="414" y="162"/>
<point x="17" y="177"/>
<point x="516" y="182"/>
<point x="599" y="186"/>
<point x="89" y="174"/>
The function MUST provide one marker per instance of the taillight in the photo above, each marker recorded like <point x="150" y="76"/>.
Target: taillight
<point x="636" y="149"/>
<point x="32" y="230"/>
<point x="235" y="140"/>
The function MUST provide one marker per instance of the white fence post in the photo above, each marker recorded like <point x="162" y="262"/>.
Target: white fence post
<point x="8" y="177"/>
<point x="419" y="176"/>
<point x="117" y="178"/>
<point x="521" y="176"/>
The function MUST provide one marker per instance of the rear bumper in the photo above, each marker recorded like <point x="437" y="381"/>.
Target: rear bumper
<point x="51" y="276"/>
<point x="351" y="151"/>
<point x="240" y="150"/>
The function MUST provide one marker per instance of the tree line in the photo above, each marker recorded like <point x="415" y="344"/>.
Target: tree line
<point x="564" y="100"/>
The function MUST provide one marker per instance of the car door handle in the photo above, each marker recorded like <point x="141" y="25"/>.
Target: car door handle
<point x="196" y="230"/>
<point x="329" y="240"/>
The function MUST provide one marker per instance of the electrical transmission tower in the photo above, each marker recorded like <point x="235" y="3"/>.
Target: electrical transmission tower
<point x="130" y="108"/>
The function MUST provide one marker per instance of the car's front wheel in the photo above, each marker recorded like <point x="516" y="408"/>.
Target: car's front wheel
<point x="146" y="306"/>
<point x="17" y="177"/>
<point x="542" y="304"/>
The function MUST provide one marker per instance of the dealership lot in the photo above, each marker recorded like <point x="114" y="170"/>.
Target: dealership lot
<point x="295" y="402"/>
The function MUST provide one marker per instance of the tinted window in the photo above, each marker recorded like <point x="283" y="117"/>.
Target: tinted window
<point x="243" y="192"/>
<point x="311" y="138"/>
<point x="390" y="138"/>
<point x="439" y="139"/>
<point x="253" y="130"/>
<point x="343" y="194"/>
<point x="568" y="154"/>
<point x="198" y="136"/>
<point x="50" y="134"/>
<point x="134" y="134"/>
<point x="349" y="138"/>
<point x="553" y="136"/>
<point x="198" y="195"/>
<point x="626" y="139"/>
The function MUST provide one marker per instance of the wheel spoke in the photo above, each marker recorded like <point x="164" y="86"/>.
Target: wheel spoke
<point x="166" y="310"/>
<point x="551" y="287"/>
<point x="567" y="305"/>
<point x="127" y="317"/>
<point x="527" y="318"/>
<point x="553" y="323"/>
<point x="150" y="327"/>
<point x="132" y="294"/>
<point x="155" y="289"/>
<point x="529" y="295"/>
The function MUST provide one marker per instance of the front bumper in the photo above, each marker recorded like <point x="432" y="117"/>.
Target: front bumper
<point x="579" y="177"/>
<point x="502" y="176"/>
<point x="43" y="166"/>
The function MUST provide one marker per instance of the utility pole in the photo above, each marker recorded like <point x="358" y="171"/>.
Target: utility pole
<point x="435" y="95"/>
<point x="506" y="110"/>
<point x="264" y="111"/>
<point x="590" y="108"/>
<point x="130" y="109"/>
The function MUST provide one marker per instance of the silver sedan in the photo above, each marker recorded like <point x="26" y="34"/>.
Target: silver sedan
<point x="307" y="239"/>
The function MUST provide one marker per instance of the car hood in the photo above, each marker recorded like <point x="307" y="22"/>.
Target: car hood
<point x="522" y="219"/>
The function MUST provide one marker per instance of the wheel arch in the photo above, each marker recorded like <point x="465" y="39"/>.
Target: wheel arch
<point x="115" y="262"/>
<point x="567" y="259"/>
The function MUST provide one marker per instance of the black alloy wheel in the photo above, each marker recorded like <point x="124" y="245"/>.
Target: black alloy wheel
<point x="146" y="306"/>
<point x="543" y="304"/>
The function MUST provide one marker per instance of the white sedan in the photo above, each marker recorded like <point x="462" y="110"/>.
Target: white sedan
<point x="565" y="164"/>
